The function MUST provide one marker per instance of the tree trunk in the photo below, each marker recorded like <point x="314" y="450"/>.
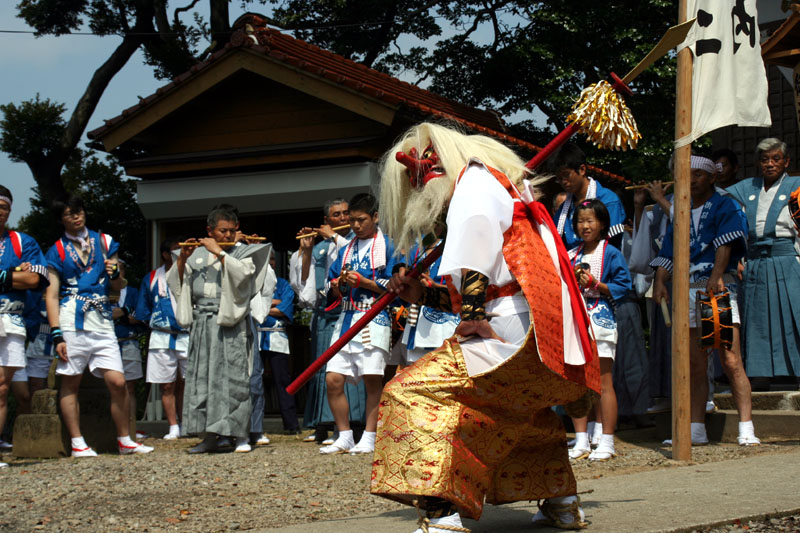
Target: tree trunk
<point x="220" y="23"/>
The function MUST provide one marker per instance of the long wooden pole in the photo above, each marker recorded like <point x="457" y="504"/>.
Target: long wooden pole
<point x="681" y="425"/>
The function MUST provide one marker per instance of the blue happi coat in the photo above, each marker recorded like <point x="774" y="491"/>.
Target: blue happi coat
<point x="156" y="310"/>
<point x="431" y="326"/>
<point x="84" y="287"/>
<point x="17" y="248"/>
<point x="37" y="327"/>
<point x="721" y="222"/>
<point x="272" y="331"/>
<point x="355" y="300"/>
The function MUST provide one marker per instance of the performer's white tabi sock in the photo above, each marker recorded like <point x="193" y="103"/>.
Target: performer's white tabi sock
<point x="565" y="516"/>
<point x="78" y="443"/>
<point x="452" y="521"/>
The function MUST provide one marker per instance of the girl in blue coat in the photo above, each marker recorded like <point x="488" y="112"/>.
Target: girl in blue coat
<point x="604" y="278"/>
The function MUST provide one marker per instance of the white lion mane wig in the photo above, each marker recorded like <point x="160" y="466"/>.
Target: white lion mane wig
<point x="408" y="214"/>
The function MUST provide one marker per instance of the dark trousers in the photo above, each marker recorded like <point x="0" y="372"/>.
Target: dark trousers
<point x="279" y="364"/>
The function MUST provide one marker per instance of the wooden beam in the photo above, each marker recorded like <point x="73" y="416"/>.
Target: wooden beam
<point x="780" y="33"/>
<point x="145" y="171"/>
<point x="681" y="395"/>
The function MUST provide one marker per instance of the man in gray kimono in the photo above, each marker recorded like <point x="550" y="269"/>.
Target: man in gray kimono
<point x="213" y="284"/>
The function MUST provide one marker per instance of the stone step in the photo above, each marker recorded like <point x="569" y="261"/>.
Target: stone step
<point x="723" y="425"/>
<point x="776" y="400"/>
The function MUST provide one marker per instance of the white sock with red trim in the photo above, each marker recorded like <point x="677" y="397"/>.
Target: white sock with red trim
<point x="78" y="443"/>
<point x="125" y="441"/>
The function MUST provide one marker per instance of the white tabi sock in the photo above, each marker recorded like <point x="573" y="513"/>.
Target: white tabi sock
<point x="606" y="443"/>
<point x="746" y="429"/>
<point x="174" y="429"/>
<point x="582" y="440"/>
<point x="78" y="443"/>
<point x="346" y="436"/>
<point x="367" y="439"/>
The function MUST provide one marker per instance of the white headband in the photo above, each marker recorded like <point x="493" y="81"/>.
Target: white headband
<point x="5" y="199"/>
<point x="703" y="163"/>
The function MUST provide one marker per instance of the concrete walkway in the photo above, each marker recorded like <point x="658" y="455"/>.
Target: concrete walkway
<point x="671" y="499"/>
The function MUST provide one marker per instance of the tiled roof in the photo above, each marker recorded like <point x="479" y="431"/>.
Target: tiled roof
<point x="250" y="31"/>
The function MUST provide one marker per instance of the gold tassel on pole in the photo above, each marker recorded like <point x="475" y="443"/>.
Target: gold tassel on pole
<point x="601" y="114"/>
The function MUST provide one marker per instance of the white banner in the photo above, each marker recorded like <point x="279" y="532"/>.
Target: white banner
<point x="729" y="82"/>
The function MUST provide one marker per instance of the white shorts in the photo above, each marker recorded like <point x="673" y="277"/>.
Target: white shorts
<point x="20" y="376"/>
<point x="38" y="367"/>
<point x="99" y="351"/>
<point x="163" y="365"/>
<point x="353" y="365"/>
<point x="732" y="285"/>
<point x="132" y="370"/>
<point x="606" y="349"/>
<point x="12" y="351"/>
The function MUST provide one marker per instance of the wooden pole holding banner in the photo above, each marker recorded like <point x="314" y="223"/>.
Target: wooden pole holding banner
<point x="681" y="406"/>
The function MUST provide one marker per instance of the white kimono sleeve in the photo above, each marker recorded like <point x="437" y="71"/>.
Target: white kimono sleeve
<point x="182" y="292"/>
<point x="262" y="301"/>
<point x="480" y="212"/>
<point x="305" y="290"/>
<point x="241" y="280"/>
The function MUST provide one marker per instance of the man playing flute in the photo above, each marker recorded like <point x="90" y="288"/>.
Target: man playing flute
<point x="213" y="287"/>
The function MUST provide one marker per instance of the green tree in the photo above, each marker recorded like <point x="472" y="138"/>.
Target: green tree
<point x="170" y="46"/>
<point x="513" y="56"/>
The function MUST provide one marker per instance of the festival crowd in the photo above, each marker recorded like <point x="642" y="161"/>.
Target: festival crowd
<point x="457" y="346"/>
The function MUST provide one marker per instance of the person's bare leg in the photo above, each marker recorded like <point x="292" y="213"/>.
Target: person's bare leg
<point x="68" y="399"/>
<point x="169" y="403"/>
<point x="6" y="374"/>
<point x="580" y="424"/>
<point x="374" y="386"/>
<point x="120" y="410"/>
<point x="22" y="393"/>
<point x="698" y="377"/>
<point x="740" y="385"/>
<point x="131" y="386"/>
<point x="338" y="401"/>
<point x="608" y="397"/>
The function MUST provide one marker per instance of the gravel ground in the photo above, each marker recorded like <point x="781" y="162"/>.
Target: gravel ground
<point x="284" y="483"/>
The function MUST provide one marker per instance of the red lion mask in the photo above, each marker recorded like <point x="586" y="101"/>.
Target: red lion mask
<point x="423" y="169"/>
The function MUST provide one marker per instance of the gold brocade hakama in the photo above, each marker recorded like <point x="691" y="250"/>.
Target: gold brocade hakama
<point x="490" y="437"/>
